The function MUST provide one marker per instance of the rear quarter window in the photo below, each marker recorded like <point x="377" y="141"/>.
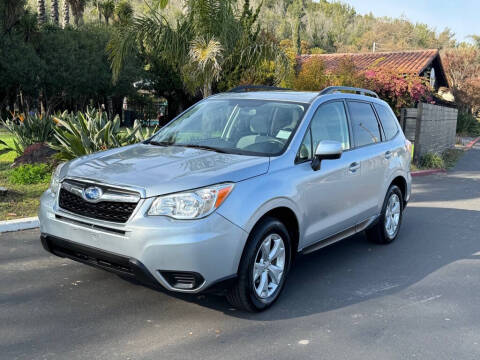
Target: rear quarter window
<point x="388" y="120"/>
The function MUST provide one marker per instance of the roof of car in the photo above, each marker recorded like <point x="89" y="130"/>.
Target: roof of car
<point x="282" y="95"/>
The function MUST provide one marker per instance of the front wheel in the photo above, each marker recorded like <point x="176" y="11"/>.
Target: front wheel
<point x="263" y="267"/>
<point x="388" y="226"/>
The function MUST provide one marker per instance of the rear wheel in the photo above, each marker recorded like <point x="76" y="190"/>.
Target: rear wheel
<point x="388" y="226"/>
<point x="263" y="267"/>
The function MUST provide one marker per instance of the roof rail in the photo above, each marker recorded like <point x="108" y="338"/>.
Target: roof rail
<point x="248" y="88"/>
<point x="334" y="89"/>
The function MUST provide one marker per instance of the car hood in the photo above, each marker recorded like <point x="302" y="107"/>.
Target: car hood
<point x="162" y="170"/>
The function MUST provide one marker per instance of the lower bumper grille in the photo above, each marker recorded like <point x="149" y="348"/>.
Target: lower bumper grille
<point x="183" y="279"/>
<point x="105" y="260"/>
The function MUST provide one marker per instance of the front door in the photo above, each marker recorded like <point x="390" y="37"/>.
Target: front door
<point x="330" y="195"/>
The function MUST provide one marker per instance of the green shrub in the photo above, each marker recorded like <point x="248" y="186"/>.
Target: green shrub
<point x="30" y="174"/>
<point x="28" y="130"/>
<point x="432" y="161"/>
<point x="468" y="124"/>
<point x="81" y="134"/>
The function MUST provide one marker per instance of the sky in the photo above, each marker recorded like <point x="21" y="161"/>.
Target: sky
<point x="461" y="16"/>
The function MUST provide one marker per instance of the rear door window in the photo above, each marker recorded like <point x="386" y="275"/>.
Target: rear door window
<point x="364" y="123"/>
<point x="388" y="120"/>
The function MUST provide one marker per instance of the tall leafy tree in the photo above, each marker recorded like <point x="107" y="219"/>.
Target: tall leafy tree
<point x="476" y="40"/>
<point x="296" y="11"/>
<point x="11" y="11"/>
<point x="208" y="36"/>
<point x="462" y="67"/>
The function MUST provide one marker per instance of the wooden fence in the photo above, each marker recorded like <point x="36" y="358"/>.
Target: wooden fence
<point x="430" y="127"/>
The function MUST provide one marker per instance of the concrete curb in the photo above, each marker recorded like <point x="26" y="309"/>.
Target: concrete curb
<point x="19" y="224"/>
<point x="471" y="143"/>
<point x="427" y="172"/>
<point x="441" y="171"/>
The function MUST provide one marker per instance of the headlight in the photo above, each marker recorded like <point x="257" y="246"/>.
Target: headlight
<point x="193" y="204"/>
<point x="55" y="183"/>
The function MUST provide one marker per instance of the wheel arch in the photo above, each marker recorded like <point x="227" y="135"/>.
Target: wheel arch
<point x="401" y="182"/>
<point x="284" y="213"/>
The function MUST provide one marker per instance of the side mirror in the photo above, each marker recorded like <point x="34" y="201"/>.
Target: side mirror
<point x="326" y="150"/>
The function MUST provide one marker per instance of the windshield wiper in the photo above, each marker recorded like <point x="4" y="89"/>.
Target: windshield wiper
<point x="203" y="147"/>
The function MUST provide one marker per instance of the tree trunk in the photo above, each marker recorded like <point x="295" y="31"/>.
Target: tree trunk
<point x="42" y="17"/>
<point x="99" y="10"/>
<point x="55" y="16"/>
<point x="207" y="89"/>
<point x="66" y="14"/>
<point x="78" y="7"/>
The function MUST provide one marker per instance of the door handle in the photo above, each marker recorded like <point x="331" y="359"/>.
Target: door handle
<point x="388" y="154"/>
<point x="354" y="167"/>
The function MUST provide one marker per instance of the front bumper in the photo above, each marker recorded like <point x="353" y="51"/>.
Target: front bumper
<point x="146" y="247"/>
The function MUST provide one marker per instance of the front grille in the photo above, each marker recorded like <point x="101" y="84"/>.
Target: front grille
<point x="118" y="212"/>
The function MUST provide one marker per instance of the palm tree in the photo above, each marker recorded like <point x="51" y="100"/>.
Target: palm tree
<point x="211" y="44"/>
<point x="78" y="8"/>
<point x="42" y="16"/>
<point x="55" y="15"/>
<point x="108" y="9"/>
<point x="98" y="4"/>
<point x="124" y="12"/>
<point x="66" y="13"/>
<point x="205" y="61"/>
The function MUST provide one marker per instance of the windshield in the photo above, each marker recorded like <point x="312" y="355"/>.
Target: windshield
<point x="253" y="127"/>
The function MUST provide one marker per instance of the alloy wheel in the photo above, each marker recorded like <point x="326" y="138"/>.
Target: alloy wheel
<point x="269" y="266"/>
<point x="392" y="215"/>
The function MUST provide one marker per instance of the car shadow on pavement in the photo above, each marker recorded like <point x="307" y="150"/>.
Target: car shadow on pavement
<point x="66" y="300"/>
<point x="355" y="270"/>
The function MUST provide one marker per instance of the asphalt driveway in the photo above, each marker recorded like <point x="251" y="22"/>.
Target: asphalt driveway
<point x="418" y="298"/>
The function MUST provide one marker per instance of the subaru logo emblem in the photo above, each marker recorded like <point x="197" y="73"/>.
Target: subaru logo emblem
<point x="92" y="193"/>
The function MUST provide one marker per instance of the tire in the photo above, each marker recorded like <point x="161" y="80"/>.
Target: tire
<point x="244" y="293"/>
<point x="381" y="233"/>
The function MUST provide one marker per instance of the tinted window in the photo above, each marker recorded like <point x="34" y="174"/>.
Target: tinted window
<point x="389" y="121"/>
<point x="330" y="123"/>
<point x="364" y="123"/>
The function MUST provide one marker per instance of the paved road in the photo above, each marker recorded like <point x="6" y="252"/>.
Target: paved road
<point x="418" y="298"/>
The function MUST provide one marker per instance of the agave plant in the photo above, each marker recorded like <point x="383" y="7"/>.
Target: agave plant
<point x="28" y="130"/>
<point x="81" y="134"/>
<point x="138" y="133"/>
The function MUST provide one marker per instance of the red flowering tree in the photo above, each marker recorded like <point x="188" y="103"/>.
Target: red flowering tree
<point x="397" y="89"/>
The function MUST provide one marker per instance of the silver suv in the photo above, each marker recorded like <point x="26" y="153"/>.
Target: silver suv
<point x="228" y="193"/>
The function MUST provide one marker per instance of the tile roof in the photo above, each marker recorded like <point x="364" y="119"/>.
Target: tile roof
<point x="405" y="62"/>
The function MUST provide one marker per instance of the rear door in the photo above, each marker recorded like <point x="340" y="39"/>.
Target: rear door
<point x="369" y="157"/>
